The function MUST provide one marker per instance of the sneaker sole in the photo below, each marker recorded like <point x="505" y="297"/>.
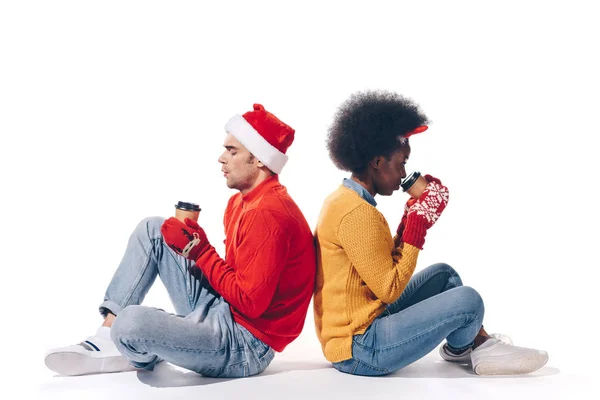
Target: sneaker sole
<point x="73" y="364"/>
<point x="509" y="365"/>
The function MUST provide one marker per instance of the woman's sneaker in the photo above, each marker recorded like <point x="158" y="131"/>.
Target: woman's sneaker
<point x="97" y="354"/>
<point x="496" y="358"/>
<point x="465" y="356"/>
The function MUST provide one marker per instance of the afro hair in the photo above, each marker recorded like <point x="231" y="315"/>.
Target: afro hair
<point x="371" y="124"/>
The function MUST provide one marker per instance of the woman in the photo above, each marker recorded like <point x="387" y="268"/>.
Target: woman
<point x="372" y="315"/>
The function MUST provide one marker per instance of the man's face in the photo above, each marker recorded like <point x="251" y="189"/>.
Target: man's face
<point x="239" y="166"/>
<point x="390" y="172"/>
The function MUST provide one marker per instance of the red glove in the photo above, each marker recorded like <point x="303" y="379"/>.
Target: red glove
<point x="187" y="239"/>
<point x="409" y="203"/>
<point x="430" y="179"/>
<point x="402" y="225"/>
<point x="425" y="212"/>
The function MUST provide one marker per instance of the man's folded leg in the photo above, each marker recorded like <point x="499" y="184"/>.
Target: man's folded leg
<point x="145" y="258"/>
<point x="206" y="341"/>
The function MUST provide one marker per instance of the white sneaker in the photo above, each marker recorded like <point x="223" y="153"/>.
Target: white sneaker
<point x="465" y="356"/>
<point x="97" y="354"/>
<point x="496" y="358"/>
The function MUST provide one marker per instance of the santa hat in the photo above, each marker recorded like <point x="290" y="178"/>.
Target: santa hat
<point x="264" y="135"/>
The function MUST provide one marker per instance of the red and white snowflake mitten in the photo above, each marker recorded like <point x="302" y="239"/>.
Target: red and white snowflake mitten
<point x="425" y="211"/>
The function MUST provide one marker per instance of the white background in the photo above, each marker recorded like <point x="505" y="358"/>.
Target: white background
<point x="112" y="111"/>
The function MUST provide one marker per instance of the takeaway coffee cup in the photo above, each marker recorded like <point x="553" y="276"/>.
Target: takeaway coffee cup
<point x="414" y="184"/>
<point x="185" y="210"/>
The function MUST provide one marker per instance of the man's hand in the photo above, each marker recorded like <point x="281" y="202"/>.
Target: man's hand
<point x="187" y="239"/>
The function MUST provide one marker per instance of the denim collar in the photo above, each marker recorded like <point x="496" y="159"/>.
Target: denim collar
<point x="362" y="192"/>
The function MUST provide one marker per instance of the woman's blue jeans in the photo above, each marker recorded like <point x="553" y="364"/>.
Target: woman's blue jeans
<point x="434" y="306"/>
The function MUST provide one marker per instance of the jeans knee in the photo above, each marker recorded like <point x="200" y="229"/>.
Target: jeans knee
<point x="130" y="323"/>
<point x="471" y="298"/>
<point x="150" y="226"/>
<point x="447" y="269"/>
<point x="443" y="267"/>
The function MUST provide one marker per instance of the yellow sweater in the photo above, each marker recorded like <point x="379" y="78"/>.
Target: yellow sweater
<point x="359" y="270"/>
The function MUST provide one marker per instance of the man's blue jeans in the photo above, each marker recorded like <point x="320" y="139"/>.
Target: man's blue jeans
<point x="434" y="306"/>
<point x="203" y="336"/>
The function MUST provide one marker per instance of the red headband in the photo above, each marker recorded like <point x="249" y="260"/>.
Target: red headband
<point x="419" y="129"/>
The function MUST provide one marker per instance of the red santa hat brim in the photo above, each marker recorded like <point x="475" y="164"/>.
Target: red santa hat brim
<point x="256" y="144"/>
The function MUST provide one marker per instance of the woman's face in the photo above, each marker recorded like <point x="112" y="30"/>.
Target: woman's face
<point x="389" y="172"/>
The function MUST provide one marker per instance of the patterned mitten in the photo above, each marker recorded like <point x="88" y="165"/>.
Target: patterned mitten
<point x="425" y="212"/>
<point x="402" y="224"/>
<point x="187" y="239"/>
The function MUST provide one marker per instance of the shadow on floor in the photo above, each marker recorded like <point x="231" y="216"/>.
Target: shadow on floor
<point x="167" y="375"/>
<point x="442" y="369"/>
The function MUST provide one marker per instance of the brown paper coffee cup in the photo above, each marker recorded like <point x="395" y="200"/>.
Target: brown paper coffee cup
<point x="185" y="210"/>
<point x="414" y="185"/>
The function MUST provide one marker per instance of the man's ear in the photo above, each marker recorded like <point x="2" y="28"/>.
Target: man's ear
<point x="376" y="162"/>
<point x="259" y="163"/>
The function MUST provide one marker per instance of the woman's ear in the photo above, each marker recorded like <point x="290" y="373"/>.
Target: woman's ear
<point x="375" y="162"/>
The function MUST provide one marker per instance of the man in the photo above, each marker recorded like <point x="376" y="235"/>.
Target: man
<point x="232" y="313"/>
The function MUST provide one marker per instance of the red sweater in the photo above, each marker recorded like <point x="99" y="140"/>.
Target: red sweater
<point x="268" y="274"/>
